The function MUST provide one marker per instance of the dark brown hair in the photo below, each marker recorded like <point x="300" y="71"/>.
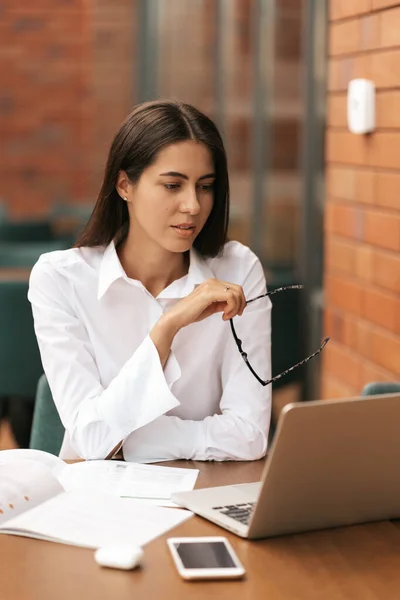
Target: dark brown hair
<point x="149" y="128"/>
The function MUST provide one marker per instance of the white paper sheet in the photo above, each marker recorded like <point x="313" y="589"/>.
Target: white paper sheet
<point x="45" y="458"/>
<point x="24" y="485"/>
<point x="149" y="483"/>
<point x="145" y="483"/>
<point x="94" y="519"/>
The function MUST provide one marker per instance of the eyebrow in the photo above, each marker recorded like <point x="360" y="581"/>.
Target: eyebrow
<point x="176" y="174"/>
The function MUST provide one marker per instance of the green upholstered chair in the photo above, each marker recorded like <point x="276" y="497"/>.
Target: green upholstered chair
<point x="20" y="363"/>
<point x="47" y="430"/>
<point x="26" y="254"/>
<point x="380" y="387"/>
<point x="25" y="231"/>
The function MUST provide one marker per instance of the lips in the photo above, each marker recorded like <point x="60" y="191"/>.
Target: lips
<point x="184" y="226"/>
<point x="184" y="230"/>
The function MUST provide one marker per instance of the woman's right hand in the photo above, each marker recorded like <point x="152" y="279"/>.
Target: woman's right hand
<point x="210" y="297"/>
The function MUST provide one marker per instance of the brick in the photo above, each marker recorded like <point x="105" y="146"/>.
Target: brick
<point x="341" y="326"/>
<point x="385" y="68"/>
<point x="372" y="373"/>
<point x="331" y="323"/>
<point x="344" y="220"/>
<point x="388" y="190"/>
<point x="341" y="70"/>
<point x="347" y="183"/>
<point x="370" y="32"/>
<point x="363" y="338"/>
<point x="364" y="263"/>
<point x="345" y="147"/>
<point x="344" y="293"/>
<point x="382" y="229"/>
<point x="37" y="205"/>
<point x="42" y="6"/>
<point x="341" y="9"/>
<point x="386" y="270"/>
<point x="340" y="257"/>
<point x="334" y="78"/>
<point x="390" y="27"/>
<point x="344" y="37"/>
<point x="332" y="388"/>
<point x="387" y="109"/>
<point x="343" y="364"/>
<point x="365" y="186"/>
<point x="349" y="331"/>
<point x="340" y="182"/>
<point x="57" y="106"/>
<point x="337" y="110"/>
<point x="384" y="350"/>
<point x="382" y="309"/>
<point x="383" y="150"/>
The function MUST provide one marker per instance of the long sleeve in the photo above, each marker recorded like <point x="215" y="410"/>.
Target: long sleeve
<point x="96" y="418"/>
<point x="240" y="432"/>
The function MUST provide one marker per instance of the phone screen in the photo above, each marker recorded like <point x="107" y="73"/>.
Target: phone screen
<point x="205" y="555"/>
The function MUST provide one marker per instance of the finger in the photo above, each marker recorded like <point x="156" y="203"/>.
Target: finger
<point x="228" y="294"/>
<point x="219" y="296"/>
<point x="242" y="299"/>
<point x="238" y="291"/>
<point x="232" y="304"/>
<point x="244" y="302"/>
<point x="217" y="307"/>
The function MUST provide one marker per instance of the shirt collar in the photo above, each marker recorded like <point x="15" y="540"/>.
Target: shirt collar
<point x="111" y="270"/>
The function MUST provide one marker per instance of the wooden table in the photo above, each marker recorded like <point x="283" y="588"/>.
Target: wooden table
<point x="353" y="563"/>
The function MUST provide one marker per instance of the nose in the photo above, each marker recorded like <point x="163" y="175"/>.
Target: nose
<point x="190" y="203"/>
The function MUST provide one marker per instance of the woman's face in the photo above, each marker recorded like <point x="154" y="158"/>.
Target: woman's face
<point x="174" y="196"/>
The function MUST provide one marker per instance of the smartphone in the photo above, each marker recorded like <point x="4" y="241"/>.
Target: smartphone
<point x="205" y="558"/>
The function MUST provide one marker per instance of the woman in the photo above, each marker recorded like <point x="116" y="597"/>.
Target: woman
<point x="132" y="323"/>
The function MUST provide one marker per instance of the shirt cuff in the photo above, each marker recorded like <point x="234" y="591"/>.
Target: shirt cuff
<point x="172" y="370"/>
<point x="166" y="438"/>
<point x="143" y="392"/>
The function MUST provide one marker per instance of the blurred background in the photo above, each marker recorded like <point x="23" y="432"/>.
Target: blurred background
<point x="318" y="204"/>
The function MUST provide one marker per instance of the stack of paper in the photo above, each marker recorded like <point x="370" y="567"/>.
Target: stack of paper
<point x="88" y="504"/>
<point x="148" y="483"/>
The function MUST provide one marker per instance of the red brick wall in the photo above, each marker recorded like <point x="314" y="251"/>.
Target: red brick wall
<point x="362" y="219"/>
<point x="114" y="74"/>
<point x="66" y="81"/>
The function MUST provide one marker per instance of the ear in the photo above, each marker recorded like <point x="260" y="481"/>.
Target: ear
<point x="122" y="185"/>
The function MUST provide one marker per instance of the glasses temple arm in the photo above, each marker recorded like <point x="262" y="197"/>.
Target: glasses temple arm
<point x="269" y="381"/>
<point x="243" y="353"/>
<point x="281" y="289"/>
<point x="299" y="364"/>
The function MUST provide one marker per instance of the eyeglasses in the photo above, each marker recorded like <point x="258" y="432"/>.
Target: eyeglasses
<point x="244" y="355"/>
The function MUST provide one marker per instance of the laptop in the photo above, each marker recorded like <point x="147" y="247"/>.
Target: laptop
<point x="332" y="463"/>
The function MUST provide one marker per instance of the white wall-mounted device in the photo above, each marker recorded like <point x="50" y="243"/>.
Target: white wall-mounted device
<point x="361" y="106"/>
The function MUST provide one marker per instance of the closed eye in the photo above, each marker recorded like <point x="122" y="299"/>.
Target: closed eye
<point x="207" y="187"/>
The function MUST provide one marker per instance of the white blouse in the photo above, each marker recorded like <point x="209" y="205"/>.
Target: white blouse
<point x="92" y="324"/>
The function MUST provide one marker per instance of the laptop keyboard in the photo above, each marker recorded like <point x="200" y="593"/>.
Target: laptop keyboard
<point x="239" y="512"/>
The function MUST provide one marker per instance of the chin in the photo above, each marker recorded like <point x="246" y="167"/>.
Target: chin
<point x="179" y="246"/>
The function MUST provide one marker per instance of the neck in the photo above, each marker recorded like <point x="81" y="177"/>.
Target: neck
<point x="154" y="266"/>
